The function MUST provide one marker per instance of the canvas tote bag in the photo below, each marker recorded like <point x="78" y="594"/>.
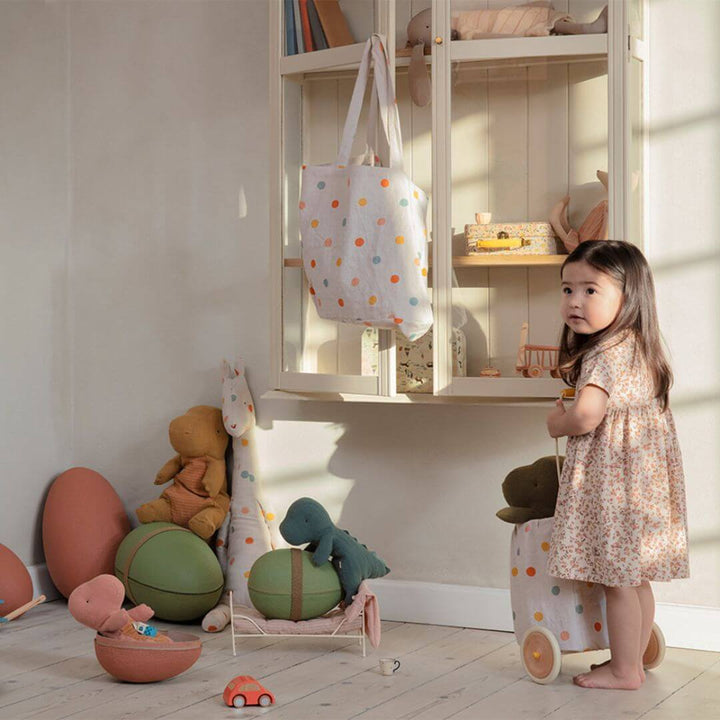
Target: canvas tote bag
<point x="364" y="238"/>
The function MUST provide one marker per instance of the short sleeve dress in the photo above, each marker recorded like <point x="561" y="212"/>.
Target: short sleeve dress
<point x="620" y="516"/>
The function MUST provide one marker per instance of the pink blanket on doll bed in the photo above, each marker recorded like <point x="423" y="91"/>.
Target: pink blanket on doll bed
<point x="247" y="620"/>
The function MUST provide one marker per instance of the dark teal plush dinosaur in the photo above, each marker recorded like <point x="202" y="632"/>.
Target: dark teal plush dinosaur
<point x="307" y="521"/>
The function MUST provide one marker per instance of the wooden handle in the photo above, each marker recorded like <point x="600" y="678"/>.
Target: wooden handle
<point x="24" y="608"/>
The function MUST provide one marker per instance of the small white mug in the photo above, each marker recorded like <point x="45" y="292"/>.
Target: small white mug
<point x="483" y="218"/>
<point x="389" y="665"/>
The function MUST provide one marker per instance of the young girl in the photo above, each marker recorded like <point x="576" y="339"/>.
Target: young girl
<point x="620" y="516"/>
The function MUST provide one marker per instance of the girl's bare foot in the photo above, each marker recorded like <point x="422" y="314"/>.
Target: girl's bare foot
<point x="593" y="666"/>
<point x="605" y="677"/>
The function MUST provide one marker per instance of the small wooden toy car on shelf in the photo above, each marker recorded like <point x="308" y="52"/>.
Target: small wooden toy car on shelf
<point x="245" y="690"/>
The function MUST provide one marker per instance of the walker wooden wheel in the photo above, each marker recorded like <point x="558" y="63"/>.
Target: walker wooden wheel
<point x="541" y="655"/>
<point x="655" y="651"/>
<point x="535" y="371"/>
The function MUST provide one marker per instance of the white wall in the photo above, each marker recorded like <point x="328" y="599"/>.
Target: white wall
<point x="167" y="116"/>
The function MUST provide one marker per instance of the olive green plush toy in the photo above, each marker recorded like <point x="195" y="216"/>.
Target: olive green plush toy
<point x="531" y="491"/>
<point x="307" y="521"/>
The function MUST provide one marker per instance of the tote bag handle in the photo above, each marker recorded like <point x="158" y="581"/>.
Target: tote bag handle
<point x="375" y="48"/>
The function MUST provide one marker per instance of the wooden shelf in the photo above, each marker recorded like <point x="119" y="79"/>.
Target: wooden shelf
<point x="467" y="261"/>
<point x="522" y="50"/>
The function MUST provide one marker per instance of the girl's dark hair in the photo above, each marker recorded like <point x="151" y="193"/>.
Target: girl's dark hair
<point x="625" y="264"/>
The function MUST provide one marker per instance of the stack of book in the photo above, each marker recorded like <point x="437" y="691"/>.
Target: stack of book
<point x="314" y="25"/>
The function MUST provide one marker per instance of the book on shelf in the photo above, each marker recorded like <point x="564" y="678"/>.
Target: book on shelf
<point x="298" y="27"/>
<point x="290" y="39"/>
<point x="334" y="24"/>
<point x="306" y="32"/>
<point x="318" y="36"/>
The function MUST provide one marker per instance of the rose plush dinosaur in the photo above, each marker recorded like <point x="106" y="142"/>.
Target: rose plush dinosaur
<point x="307" y="521"/>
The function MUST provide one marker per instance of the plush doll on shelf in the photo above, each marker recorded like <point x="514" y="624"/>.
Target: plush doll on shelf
<point x="307" y="521"/>
<point x="97" y="604"/>
<point x="594" y="227"/>
<point x="197" y="498"/>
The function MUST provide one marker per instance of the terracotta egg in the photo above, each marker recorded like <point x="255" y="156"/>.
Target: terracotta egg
<point x="16" y="586"/>
<point x="84" y="522"/>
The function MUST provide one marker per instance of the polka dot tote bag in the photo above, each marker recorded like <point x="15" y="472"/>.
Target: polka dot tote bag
<point x="364" y="238"/>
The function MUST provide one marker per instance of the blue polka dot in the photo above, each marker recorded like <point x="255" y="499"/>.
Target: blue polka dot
<point x="414" y="301"/>
<point x="321" y="185"/>
<point x="244" y="473"/>
<point x="251" y="478"/>
<point x="404" y="202"/>
<point x="376" y="260"/>
<point x="233" y="398"/>
<point x="325" y="282"/>
<point x="579" y="609"/>
<point x="555" y="590"/>
<point x="344" y="222"/>
<point x="513" y="614"/>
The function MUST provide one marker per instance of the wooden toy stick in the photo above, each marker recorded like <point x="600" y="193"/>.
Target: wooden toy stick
<point x="22" y="609"/>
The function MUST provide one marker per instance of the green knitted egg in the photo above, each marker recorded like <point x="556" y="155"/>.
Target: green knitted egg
<point x="170" y="569"/>
<point x="285" y="584"/>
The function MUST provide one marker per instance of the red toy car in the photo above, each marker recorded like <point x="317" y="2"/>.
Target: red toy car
<point x="245" y="690"/>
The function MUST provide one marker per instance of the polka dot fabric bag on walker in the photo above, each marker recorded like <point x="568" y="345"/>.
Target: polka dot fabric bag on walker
<point x="551" y="615"/>
<point x="364" y="239"/>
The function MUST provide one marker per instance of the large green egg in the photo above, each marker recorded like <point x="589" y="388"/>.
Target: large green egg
<point x="285" y="584"/>
<point x="170" y="569"/>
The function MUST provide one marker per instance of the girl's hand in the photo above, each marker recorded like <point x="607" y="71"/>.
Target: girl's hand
<point x="555" y="419"/>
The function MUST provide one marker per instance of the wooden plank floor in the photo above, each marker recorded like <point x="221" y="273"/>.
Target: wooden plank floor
<point x="48" y="671"/>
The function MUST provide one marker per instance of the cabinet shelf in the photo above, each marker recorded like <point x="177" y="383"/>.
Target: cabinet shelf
<point x="521" y="50"/>
<point x="467" y="261"/>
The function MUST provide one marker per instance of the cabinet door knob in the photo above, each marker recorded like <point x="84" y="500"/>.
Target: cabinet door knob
<point x="438" y="40"/>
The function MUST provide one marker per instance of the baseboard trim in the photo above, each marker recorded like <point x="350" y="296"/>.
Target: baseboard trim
<point x="42" y="584"/>
<point x="684" y="626"/>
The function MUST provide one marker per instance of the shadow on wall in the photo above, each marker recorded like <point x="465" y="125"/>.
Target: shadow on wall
<point x="425" y="482"/>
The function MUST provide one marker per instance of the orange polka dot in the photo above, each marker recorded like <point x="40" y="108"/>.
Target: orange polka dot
<point x="338" y="262"/>
<point x="369" y="324"/>
<point x="359" y="241"/>
<point x="398" y="321"/>
<point x="335" y="203"/>
<point x="417" y="261"/>
<point x="342" y="167"/>
<point x="415" y="194"/>
<point x="381" y="221"/>
<point x="514" y="572"/>
<point x="312" y="290"/>
<point x="302" y="205"/>
<point x="355" y="282"/>
<point x="304" y="166"/>
<point x="598" y="626"/>
<point x="245" y="510"/>
<point x="399" y="239"/>
<point x="424" y="272"/>
<point x="246" y="574"/>
<point x="385" y="182"/>
<point x="270" y="516"/>
<point x="362" y="202"/>
<point x="313" y="263"/>
<point x="372" y="300"/>
<point x="538" y="616"/>
<point x="244" y="442"/>
<point x="219" y="543"/>
<point x="531" y="571"/>
<point x="328" y="242"/>
<point x="341" y="302"/>
<point x="545" y="546"/>
<point x="394" y="278"/>
<point x="315" y="223"/>
<point x="249" y="540"/>
<point x="564" y="635"/>
<point x="250" y="408"/>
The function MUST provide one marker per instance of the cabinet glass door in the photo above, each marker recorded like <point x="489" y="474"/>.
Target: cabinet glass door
<point x="528" y="127"/>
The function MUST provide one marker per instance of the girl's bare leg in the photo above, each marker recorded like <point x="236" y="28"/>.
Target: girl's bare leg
<point x="647" y="606"/>
<point x="624" y="621"/>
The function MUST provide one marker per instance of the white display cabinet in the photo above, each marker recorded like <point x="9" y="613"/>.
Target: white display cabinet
<point x="514" y="125"/>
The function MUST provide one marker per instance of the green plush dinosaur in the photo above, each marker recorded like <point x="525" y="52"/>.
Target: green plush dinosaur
<point x="307" y="521"/>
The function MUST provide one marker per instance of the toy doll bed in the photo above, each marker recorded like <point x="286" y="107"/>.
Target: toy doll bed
<point x="358" y="620"/>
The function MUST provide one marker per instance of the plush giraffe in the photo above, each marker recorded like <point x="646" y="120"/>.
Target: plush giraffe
<point x="248" y="529"/>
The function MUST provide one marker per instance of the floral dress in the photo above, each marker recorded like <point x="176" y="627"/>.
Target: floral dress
<point x="620" y="516"/>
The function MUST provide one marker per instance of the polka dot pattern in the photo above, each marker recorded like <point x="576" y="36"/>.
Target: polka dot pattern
<point x="364" y="236"/>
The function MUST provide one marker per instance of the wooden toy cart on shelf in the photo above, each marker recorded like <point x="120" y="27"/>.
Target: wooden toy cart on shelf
<point x="532" y="360"/>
